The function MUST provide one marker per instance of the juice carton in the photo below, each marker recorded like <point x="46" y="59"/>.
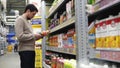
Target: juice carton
<point x="98" y="34"/>
<point x="98" y="54"/>
<point x="109" y="55"/>
<point x="116" y="56"/>
<point x="103" y="33"/>
<point x="92" y="40"/>
<point x="92" y="35"/>
<point x="70" y="35"/>
<point x="113" y="33"/>
<point x="60" y="40"/>
<point x="65" y="42"/>
<point x="118" y="20"/>
<point x="117" y="40"/>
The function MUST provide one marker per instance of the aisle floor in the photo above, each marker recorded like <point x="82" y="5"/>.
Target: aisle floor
<point x="10" y="60"/>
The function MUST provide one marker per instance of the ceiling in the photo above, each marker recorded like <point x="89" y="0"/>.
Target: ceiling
<point x="15" y="5"/>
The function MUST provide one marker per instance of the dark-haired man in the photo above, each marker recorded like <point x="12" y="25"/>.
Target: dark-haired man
<point x="26" y="38"/>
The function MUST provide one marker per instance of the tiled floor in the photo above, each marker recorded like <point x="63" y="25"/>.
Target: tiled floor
<point x="10" y="60"/>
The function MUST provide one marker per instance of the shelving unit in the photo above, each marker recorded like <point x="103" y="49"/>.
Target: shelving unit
<point x="83" y="23"/>
<point x="57" y="29"/>
<point x="82" y="32"/>
<point x="3" y="30"/>
<point x="2" y="37"/>
<point x="107" y="55"/>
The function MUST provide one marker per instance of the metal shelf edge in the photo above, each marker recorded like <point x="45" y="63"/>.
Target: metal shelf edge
<point x="108" y="49"/>
<point x="107" y="60"/>
<point x="61" y="50"/>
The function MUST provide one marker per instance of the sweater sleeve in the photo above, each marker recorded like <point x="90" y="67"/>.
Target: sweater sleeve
<point x="19" y="30"/>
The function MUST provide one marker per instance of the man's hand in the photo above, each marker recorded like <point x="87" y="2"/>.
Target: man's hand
<point x="42" y="34"/>
<point x="37" y="36"/>
<point x="45" y="33"/>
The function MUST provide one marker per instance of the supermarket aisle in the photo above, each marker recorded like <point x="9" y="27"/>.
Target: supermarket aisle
<point x="9" y="60"/>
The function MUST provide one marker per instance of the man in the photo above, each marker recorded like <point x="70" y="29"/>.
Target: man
<point x="15" y="47"/>
<point x="26" y="37"/>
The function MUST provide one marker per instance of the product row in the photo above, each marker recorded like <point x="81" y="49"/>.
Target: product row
<point x="113" y="56"/>
<point x="65" y="13"/>
<point x="108" y="32"/>
<point x="57" y="61"/>
<point x="67" y="40"/>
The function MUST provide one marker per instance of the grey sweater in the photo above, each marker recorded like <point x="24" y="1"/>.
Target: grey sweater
<point x="24" y="34"/>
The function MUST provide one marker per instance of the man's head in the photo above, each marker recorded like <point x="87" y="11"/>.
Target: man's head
<point x="30" y="11"/>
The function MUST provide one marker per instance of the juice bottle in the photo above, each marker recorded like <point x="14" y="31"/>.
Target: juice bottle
<point x="91" y="2"/>
<point x="53" y="62"/>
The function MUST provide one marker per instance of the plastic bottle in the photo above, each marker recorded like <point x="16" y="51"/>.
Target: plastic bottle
<point x="53" y="61"/>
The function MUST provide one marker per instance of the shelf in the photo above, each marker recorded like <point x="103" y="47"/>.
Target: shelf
<point x="108" y="49"/>
<point x="54" y="8"/>
<point x="105" y="11"/>
<point x="45" y="65"/>
<point x="64" y="24"/>
<point x="109" y="5"/>
<point x="112" y="56"/>
<point x="108" y="60"/>
<point x="71" y="51"/>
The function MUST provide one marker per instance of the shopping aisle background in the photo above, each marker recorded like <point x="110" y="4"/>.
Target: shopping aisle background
<point x="10" y="60"/>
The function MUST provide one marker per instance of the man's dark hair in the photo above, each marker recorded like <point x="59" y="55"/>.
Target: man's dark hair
<point x="31" y="7"/>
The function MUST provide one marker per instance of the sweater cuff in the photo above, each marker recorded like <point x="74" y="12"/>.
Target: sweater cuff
<point x="34" y="37"/>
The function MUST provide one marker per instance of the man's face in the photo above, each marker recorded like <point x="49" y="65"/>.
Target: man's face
<point x="31" y="15"/>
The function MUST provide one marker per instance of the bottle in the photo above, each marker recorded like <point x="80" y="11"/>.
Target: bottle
<point x="91" y="2"/>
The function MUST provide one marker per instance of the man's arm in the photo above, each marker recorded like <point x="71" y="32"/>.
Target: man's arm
<point x="19" y="29"/>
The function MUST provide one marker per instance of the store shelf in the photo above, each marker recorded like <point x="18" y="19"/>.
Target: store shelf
<point x="106" y="7"/>
<point x="104" y="55"/>
<point x="45" y="65"/>
<point x="64" y="24"/>
<point x="62" y="50"/>
<point x="109" y="5"/>
<point x="54" y="8"/>
<point x="106" y="10"/>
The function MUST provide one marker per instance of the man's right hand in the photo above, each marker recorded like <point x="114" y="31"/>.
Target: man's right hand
<point x="37" y="36"/>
